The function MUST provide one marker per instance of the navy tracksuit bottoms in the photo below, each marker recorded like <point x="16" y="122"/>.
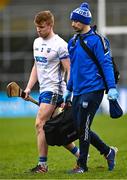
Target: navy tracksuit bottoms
<point x="84" y="109"/>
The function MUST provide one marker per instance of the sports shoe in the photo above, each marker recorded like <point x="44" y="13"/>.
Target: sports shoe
<point x="40" y="169"/>
<point x="111" y="158"/>
<point x="77" y="170"/>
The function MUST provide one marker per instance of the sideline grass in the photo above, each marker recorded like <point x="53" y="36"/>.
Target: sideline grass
<point x="18" y="151"/>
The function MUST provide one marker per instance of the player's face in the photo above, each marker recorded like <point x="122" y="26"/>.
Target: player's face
<point x="77" y="26"/>
<point x="43" y="29"/>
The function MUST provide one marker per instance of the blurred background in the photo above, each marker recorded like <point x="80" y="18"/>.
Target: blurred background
<point x="17" y="33"/>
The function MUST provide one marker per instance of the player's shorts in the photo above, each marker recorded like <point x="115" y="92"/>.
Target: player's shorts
<point x="49" y="97"/>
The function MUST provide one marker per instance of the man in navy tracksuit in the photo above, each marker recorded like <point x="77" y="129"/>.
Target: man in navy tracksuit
<point x="88" y="86"/>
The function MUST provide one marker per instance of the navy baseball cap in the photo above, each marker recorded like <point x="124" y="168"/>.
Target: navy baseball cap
<point x="115" y="109"/>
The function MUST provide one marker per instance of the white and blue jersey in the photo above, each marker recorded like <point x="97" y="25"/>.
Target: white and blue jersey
<point x="84" y="75"/>
<point x="47" y="55"/>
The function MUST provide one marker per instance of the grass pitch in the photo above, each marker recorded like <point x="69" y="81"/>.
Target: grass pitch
<point x="18" y="152"/>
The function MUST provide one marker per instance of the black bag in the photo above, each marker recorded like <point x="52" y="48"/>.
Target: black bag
<point x="116" y="71"/>
<point x="60" y="129"/>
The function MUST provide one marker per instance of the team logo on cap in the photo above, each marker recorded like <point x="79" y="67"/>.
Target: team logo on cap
<point x="82" y="12"/>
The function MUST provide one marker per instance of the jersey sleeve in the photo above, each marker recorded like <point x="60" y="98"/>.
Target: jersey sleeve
<point x="63" y="51"/>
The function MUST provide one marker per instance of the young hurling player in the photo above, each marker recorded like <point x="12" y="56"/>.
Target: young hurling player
<point x="51" y="63"/>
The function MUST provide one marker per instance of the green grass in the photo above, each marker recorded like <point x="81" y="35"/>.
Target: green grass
<point x="18" y="151"/>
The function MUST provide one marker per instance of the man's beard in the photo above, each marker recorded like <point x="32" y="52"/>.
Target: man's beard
<point x="77" y="30"/>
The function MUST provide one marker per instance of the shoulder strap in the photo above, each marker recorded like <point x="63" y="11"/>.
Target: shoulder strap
<point x="93" y="57"/>
<point x="103" y="40"/>
<point x="75" y="37"/>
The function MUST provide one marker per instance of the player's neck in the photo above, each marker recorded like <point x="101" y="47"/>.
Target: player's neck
<point x="86" y="29"/>
<point x="50" y="35"/>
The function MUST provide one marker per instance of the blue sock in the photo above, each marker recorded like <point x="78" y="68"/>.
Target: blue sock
<point x="74" y="151"/>
<point x="42" y="160"/>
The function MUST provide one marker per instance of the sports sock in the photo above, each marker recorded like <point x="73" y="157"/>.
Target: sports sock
<point x="42" y="160"/>
<point x="75" y="151"/>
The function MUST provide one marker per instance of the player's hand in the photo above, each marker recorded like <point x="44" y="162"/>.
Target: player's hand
<point x="27" y="92"/>
<point x="113" y="94"/>
<point x="67" y="96"/>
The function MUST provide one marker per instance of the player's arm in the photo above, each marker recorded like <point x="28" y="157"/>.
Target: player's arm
<point x="66" y="66"/>
<point x="67" y="95"/>
<point x="32" y="80"/>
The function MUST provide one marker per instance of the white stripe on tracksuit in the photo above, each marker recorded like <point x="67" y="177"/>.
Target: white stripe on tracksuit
<point x="87" y="128"/>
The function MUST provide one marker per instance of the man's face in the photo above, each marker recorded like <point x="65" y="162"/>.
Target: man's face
<point x="43" y="29"/>
<point x="77" y="26"/>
